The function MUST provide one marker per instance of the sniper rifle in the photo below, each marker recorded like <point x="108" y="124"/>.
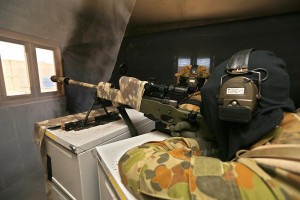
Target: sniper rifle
<point x="146" y="97"/>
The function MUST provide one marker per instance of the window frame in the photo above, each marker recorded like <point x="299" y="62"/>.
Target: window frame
<point x="30" y="44"/>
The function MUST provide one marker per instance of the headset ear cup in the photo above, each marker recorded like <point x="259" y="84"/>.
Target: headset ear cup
<point x="237" y="99"/>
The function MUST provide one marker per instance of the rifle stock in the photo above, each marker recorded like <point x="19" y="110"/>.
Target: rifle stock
<point x="168" y="114"/>
<point x="159" y="110"/>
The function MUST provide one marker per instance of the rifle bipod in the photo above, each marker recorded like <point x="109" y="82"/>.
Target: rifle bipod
<point x="97" y="120"/>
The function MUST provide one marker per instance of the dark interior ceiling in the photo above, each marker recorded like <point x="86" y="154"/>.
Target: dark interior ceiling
<point x="161" y="15"/>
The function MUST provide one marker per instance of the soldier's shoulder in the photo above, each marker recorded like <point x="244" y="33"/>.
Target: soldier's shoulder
<point x="289" y="130"/>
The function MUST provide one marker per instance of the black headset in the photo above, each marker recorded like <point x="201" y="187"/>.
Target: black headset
<point x="241" y="90"/>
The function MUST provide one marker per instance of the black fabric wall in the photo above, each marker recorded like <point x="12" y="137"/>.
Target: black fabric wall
<point x="155" y="55"/>
<point x="91" y="52"/>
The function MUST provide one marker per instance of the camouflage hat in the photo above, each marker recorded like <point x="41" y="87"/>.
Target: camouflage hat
<point x="186" y="72"/>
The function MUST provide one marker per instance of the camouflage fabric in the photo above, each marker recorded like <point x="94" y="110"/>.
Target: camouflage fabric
<point x="176" y="169"/>
<point x="191" y="107"/>
<point x="88" y="85"/>
<point x="130" y="93"/>
<point x="40" y="129"/>
<point x="185" y="72"/>
<point x="290" y="131"/>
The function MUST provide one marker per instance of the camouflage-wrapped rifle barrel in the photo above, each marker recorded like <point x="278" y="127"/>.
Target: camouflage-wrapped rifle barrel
<point x="131" y="93"/>
<point x="68" y="81"/>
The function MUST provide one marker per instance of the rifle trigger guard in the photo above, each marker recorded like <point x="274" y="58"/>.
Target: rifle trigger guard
<point x="167" y="119"/>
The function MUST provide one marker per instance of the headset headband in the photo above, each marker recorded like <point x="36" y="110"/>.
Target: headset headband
<point x="239" y="60"/>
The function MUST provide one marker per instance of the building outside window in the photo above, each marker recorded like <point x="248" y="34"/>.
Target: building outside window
<point x="182" y="62"/>
<point x="46" y="68"/>
<point x="204" y="61"/>
<point x="14" y="68"/>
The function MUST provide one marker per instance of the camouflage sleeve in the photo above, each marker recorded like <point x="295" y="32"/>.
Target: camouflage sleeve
<point x="192" y="103"/>
<point x="175" y="169"/>
<point x="289" y="130"/>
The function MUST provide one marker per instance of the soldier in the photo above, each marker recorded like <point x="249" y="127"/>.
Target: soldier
<point x="259" y="144"/>
<point x="192" y="76"/>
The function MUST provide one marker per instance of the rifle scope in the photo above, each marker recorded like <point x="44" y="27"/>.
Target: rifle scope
<point x="160" y="91"/>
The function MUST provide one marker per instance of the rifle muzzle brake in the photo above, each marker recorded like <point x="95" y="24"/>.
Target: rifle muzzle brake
<point x="60" y="79"/>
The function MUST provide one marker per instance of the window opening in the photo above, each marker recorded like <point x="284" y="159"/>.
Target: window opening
<point x="182" y="62"/>
<point x="46" y="68"/>
<point x="204" y="62"/>
<point x="15" y="68"/>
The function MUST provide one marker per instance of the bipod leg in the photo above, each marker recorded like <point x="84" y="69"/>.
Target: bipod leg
<point x="126" y="118"/>
<point x="85" y="122"/>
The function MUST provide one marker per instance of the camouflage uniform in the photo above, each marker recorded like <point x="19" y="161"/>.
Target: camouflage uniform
<point x="195" y="97"/>
<point x="175" y="168"/>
